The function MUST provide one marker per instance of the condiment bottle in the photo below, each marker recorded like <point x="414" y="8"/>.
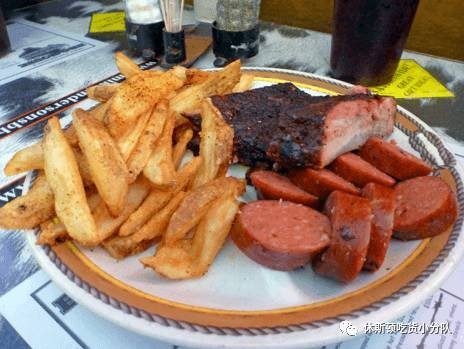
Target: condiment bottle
<point x="144" y="27"/>
<point x="236" y="30"/>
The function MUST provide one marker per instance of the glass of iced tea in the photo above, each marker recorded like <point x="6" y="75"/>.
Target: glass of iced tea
<point x="368" y="39"/>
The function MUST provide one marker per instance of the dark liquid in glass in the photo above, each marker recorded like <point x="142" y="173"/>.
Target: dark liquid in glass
<point x="368" y="39"/>
<point x="4" y="40"/>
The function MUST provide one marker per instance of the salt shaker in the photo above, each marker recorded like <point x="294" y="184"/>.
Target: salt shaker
<point x="144" y="27"/>
<point x="236" y="30"/>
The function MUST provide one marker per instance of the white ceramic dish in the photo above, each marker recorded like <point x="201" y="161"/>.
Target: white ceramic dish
<point x="239" y="304"/>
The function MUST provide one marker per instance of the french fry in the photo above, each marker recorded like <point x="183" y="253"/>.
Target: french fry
<point x="146" y="143"/>
<point x="158" y="199"/>
<point x="212" y="231"/>
<point x="106" y="223"/>
<point x="194" y="207"/>
<point x="160" y="169"/>
<point x="173" y="262"/>
<point x="84" y="168"/>
<point x="71" y="136"/>
<point x="107" y="167"/>
<point x="128" y="141"/>
<point x="217" y="83"/>
<point x="245" y="83"/>
<point x="181" y="146"/>
<point x="180" y="72"/>
<point x="190" y="258"/>
<point x="31" y="158"/>
<point x="187" y="173"/>
<point x="121" y="247"/>
<point x="216" y="145"/>
<point x="136" y="97"/>
<point x="102" y="93"/>
<point x="63" y="176"/>
<point x="99" y="111"/>
<point x="27" y="159"/>
<point x="52" y="232"/>
<point x="196" y="76"/>
<point x="126" y="66"/>
<point x="29" y="210"/>
<point x="157" y="224"/>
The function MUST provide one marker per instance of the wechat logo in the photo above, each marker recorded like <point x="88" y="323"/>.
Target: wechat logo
<point x="348" y="328"/>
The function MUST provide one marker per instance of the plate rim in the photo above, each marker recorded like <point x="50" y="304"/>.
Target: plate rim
<point x="438" y="276"/>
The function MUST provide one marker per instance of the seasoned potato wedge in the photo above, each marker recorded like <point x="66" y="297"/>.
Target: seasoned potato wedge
<point x="28" y="211"/>
<point x="245" y="83"/>
<point x="160" y="168"/>
<point x="121" y="247"/>
<point x="217" y="83"/>
<point x="27" y="159"/>
<point x="107" y="225"/>
<point x="158" y="198"/>
<point x="62" y="174"/>
<point x="52" y="232"/>
<point x="103" y="92"/>
<point x="213" y="230"/>
<point x="216" y="145"/>
<point x="128" y="141"/>
<point x="31" y="158"/>
<point x="147" y="141"/>
<point x="196" y="76"/>
<point x="106" y="165"/>
<point x="194" y="207"/>
<point x="173" y="262"/>
<point x="136" y="97"/>
<point x="181" y="145"/>
<point x="190" y="258"/>
<point x="158" y="223"/>
<point x="125" y="65"/>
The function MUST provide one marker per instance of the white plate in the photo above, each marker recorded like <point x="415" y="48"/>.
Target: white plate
<point x="238" y="303"/>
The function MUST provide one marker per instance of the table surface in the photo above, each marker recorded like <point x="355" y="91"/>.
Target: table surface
<point x="280" y="46"/>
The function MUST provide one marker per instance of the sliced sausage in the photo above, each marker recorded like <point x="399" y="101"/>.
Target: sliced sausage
<point x="358" y="171"/>
<point x="320" y="182"/>
<point x="351" y="218"/>
<point x="271" y="185"/>
<point x="393" y="160"/>
<point x="280" y="235"/>
<point x="425" y="207"/>
<point x="382" y="200"/>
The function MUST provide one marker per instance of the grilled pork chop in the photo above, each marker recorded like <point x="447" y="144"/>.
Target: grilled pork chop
<point x="284" y="125"/>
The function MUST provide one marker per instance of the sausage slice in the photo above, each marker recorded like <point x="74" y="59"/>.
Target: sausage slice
<point x="382" y="200"/>
<point x="393" y="160"/>
<point x="279" y="234"/>
<point x="425" y="207"/>
<point x="271" y="185"/>
<point x="359" y="172"/>
<point x="320" y="182"/>
<point x="351" y="219"/>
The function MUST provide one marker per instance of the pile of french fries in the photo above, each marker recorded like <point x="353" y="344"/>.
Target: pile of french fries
<point x="117" y="177"/>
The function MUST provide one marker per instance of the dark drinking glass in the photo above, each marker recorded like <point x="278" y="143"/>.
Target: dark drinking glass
<point x="368" y="39"/>
<point x="4" y="40"/>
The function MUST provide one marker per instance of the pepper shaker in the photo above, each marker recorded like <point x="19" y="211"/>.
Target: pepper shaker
<point x="236" y="30"/>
